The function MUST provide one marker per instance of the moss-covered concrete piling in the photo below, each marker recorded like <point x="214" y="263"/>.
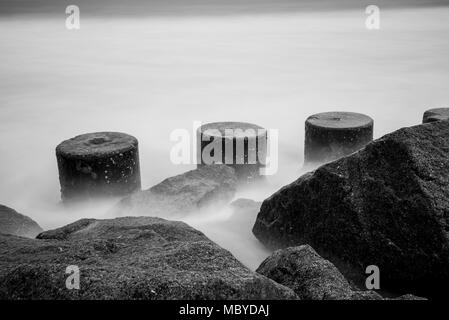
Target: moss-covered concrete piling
<point x="243" y="146"/>
<point x="101" y="164"/>
<point x="332" y="135"/>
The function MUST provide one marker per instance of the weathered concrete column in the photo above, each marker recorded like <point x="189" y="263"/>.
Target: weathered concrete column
<point x="436" y="114"/>
<point x="332" y="135"/>
<point x="100" y="164"/>
<point x="243" y="146"/>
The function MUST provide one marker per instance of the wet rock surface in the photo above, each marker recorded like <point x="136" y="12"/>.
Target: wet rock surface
<point x="312" y="277"/>
<point x="194" y="190"/>
<point x="386" y="205"/>
<point x="12" y="222"/>
<point x="128" y="258"/>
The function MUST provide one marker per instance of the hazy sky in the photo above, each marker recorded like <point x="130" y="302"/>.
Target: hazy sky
<point x="192" y="7"/>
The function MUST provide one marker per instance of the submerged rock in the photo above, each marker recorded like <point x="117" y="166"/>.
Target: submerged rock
<point x="12" y="222"/>
<point x="244" y="212"/>
<point x="386" y="205"/>
<point x="128" y="258"/>
<point x="242" y="206"/>
<point x="184" y="193"/>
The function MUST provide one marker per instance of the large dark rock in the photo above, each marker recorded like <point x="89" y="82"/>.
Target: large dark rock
<point x="314" y="278"/>
<point x="310" y="276"/>
<point x="128" y="258"/>
<point x="12" y="222"/>
<point x="204" y="187"/>
<point x="386" y="205"/>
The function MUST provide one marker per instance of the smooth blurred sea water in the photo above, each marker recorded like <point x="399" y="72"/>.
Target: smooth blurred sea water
<point x="150" y="75"/>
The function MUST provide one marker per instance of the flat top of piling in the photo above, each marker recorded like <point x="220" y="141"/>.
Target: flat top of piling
<point x="439" y="111"/>
<point x="232" y="129"/>
<point x="340" y="120"/>
<point x="97" y="144"/>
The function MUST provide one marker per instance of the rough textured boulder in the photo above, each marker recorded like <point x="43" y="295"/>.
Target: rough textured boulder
<point x="386" y="205"/>
<point x="12" y="222"/>
<point x="128" y="258"/>
<point x="179" y="195"/>
<point x="310" y="276"/>
<point x="314" y="278"/>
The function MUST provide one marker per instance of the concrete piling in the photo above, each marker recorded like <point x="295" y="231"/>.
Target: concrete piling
<point x="332" y="135"/>
<point x="436" y="114"/>
<point x="243" y="146"/>
<point x="101" y="164"/>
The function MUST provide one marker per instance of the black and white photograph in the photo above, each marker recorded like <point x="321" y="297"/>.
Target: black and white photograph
<point x="235" y="157"/>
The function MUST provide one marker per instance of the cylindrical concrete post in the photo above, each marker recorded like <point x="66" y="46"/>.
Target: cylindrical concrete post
<point x="100" y="164"/>
<point x="332" y="135"/>
<point x="436" y="114"/>
<point x="243" y="146"/>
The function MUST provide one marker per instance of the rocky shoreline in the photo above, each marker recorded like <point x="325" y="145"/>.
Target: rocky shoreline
<point x="386" y="205"/>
